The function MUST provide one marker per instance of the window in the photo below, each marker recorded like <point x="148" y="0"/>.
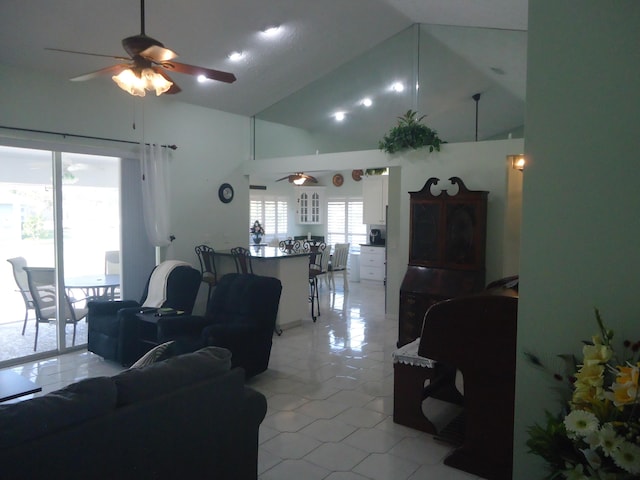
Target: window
<point x="344" y="224"/>
<point x="271" y="212"/>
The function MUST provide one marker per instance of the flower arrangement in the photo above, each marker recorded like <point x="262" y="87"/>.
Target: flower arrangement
<point x="598" y="434"/>
<point x="256" y="229"/>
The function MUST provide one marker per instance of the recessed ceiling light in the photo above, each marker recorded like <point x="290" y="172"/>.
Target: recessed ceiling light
<point x="202" y="78"/>
<point x="367" y="102"/>
<point x="397" y="87"/>
<point x="339" y="116"/>
<point x="271" y="30"/>
<point x="235" y="56"/>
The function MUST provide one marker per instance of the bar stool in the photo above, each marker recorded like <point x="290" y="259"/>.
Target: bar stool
<point x="207" y="268"/>
<point x="315" y="269"/>
<point x="242" y="257"/>
<point x="289" y="246"/>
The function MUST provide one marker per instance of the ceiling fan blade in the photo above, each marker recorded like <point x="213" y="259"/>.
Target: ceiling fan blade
<point x="158" y="54"/>
<point x="193" y="70"/>
<point x="112" y="70"/>
<point x="309" y="178"/>
<point x="174" y="88"/>
<point x="288" y="177"/>
<point x="88" y="53"/>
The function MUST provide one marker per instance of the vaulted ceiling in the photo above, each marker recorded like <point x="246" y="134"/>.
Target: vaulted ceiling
<point x="317" y="41"/>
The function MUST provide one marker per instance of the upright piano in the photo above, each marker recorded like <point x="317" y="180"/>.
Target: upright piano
<point x="476" y="335"/>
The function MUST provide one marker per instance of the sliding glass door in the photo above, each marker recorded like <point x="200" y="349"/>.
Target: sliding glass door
<point x="60" y="215"/>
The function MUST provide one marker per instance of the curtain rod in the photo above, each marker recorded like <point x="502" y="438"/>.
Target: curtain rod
<point x="30" y="130"/>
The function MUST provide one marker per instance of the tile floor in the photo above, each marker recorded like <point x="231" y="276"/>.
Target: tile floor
<point x="329" y="389"/>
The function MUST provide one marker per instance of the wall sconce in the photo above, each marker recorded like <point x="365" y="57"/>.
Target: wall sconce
<point x="518" y="162"/>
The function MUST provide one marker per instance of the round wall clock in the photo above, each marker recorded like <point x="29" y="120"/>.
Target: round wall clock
<point x="338" y="180"/>
<point x="225" y="193"/>
<point x="357" y="175"/>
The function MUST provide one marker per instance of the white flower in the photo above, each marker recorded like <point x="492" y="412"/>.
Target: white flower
<point x="581" y="422"/>
<point x="627" y="457"/>
<point x="608" y="439"/>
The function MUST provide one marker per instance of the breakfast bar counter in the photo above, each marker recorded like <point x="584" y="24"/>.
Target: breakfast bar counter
<point x="292" y="269"/>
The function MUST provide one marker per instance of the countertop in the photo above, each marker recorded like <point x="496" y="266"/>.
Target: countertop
<point x="265" y="252"/>
<point x="371" y="245"/>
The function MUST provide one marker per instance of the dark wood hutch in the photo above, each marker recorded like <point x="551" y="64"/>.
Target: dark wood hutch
<point x="446" y="251"/>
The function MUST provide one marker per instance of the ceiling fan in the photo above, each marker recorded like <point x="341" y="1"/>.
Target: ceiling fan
<point x="148" y="59"/>
<point x="299" y="178"/>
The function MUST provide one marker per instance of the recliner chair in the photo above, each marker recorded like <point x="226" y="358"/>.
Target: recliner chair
<point x="241" y="317"/>
<point x="112" y="325"/>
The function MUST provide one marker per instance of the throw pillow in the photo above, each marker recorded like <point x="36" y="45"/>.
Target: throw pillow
<point x="160" y="352"/>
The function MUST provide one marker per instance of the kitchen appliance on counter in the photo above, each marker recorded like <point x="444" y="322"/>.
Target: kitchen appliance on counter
<point x="375" y="237"/>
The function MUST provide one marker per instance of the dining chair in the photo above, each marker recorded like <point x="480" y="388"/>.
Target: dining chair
<point x="112" y="267"/>
<point x="324" y="266"/>
<point x="338" y="263"/>
<point x="112" y="262"/>
<point x="206" y="256"/>
<point x="20" y="276"/>
<point x="315" y="269"/>
<point x="42" y="285"/>
<point x="242" y="258"/>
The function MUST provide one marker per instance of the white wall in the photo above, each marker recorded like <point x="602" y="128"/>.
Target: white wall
<point x="580" y="224"/>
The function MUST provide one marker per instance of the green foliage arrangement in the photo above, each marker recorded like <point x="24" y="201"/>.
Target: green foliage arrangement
<point x="410" y="133"/>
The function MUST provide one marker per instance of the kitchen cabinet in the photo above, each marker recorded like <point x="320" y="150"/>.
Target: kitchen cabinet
<point x="446" y="251"/>
<point x="309" y="203"/>
<point x="375" y="198"/>
<point x="372" y="265"/>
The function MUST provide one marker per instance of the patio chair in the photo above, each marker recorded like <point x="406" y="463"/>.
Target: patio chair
<point x="20" y="276"/>
<point x="42" y="285"/>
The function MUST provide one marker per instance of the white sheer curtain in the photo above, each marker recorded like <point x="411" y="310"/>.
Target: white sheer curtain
<point x="155" y="193"/>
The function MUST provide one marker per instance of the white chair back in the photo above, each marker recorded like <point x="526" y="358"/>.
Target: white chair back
<point x="339" y="261"/>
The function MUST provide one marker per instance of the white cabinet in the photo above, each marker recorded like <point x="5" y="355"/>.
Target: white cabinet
<point x="372" y="263"/>
<point x="309" y="202"/>
<point x="375" y="197"/>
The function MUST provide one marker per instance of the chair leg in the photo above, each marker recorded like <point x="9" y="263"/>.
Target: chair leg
<point x="35" y="342"/>
<point x="345" y="281"/>
<point x="332" y="281"/>
<point x="26" y="316"/>
<point x="73" y="341"/>
<point x="313" y="296"/>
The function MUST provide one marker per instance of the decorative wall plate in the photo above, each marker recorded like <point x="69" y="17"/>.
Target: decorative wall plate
<point x="357" y="175"/>
<point x="338" y="180"/>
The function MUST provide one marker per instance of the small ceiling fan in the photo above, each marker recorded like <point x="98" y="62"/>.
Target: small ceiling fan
<point x="299" y="178"/>
<point x="148" y="59"/>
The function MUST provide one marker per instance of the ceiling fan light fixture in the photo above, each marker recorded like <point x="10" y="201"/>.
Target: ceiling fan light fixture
<point x="299" y="180"/>
<point x="271" y="30"/>
<point x="138" y="83"/>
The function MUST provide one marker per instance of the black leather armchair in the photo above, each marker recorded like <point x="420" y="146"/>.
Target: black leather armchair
<point x="241" y="317"/>
<point x="113" y="327"/>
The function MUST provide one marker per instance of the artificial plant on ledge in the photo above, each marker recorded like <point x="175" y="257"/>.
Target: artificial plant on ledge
<point x="410" y="133"/>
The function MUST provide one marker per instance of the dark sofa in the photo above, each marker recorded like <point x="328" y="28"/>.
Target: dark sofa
<point x="189" y="416"/>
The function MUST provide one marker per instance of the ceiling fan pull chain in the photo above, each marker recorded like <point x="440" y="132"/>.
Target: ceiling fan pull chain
<point x="142" y="17"/>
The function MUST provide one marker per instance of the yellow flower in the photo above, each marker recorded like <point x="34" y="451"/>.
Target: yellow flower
<point x="625" y="389"/>
<point x="588" y="384"/>
<point x="596" y="354"/>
